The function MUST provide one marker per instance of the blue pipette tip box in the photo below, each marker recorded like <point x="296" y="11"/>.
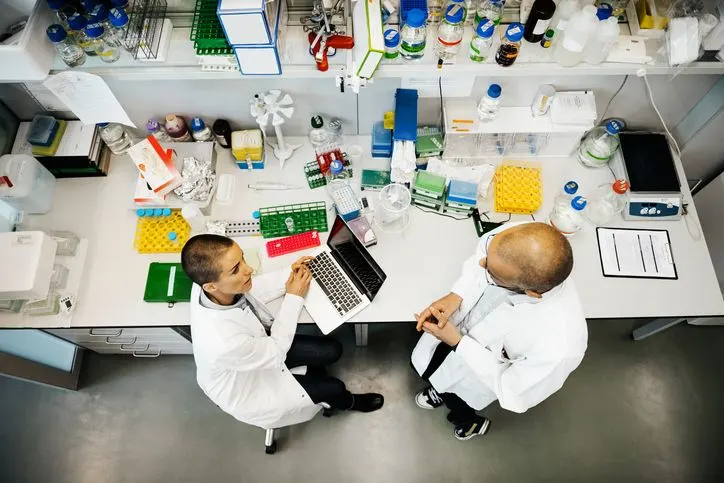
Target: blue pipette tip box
<point x="42" y="131"/>
<point x="463" y="192"/>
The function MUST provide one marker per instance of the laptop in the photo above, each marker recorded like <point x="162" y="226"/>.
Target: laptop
<point x="345" y="279"/>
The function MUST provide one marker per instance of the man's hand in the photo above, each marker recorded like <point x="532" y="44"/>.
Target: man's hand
<point x="300" y="278"/>
<point x="301" y="262"/>
<point x="445" y="307"/>
<point x="448" y="333"/>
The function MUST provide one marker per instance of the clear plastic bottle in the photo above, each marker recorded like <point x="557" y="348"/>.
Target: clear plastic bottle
<point x="568" y="217"/>
<point x="563" y="13"/>
<point x="489" y="104"/>
<point x="510" y="45"/>
<point x="71" y="54"/>
<point x="115" y="137"/>
<point x="462" y="3"/>
<point x="337" y="176"/>
<point x="156" y="130"/>
<point x="603" y="41"/>
<point x="565" y="196"/>
<point x="78" y="23"/>
<point x="392" y="44"/>
<point x="318" y="135"/>
<point x="118" y="19"/>
<point x="103" y="45"/>
<point x="60" y="12"/>
<point x="200" y="131"/>
<point x="490" y="9"/>
<point x="569" y="49"/>
<point x="413" y="36"/>
<point x="599" y="144"/>
<point x="450" y="33"/>
<point x="610" y="201"/>
<point x="482" y="41"/>
<point x="177" y="129"/>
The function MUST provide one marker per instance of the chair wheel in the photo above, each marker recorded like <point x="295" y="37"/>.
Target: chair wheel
<point x="327" y="412"/>
<point x="271" y="449"/>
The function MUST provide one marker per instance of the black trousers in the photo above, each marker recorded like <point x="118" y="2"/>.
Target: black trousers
<point x="316" y="353"/>
<point x="460" y="412"/>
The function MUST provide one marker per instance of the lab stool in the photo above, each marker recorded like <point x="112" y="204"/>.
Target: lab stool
<point x="270" y="443"/>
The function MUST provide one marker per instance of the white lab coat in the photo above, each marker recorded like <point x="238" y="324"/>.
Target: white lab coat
<point x="240" y="367"/>
<point x="544" y="339"/>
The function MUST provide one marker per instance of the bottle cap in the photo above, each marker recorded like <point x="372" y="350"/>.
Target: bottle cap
<point x="317" y="122"/>
<point x="336" y="166"/>
<point x="95" y="30"/>
<point x="549" y="33"/>
<point x="494" y="91"/>
<point x="56" y="33"/>
<point x="485" y="28"/>
<point x="604" y="11"/>
<point x="140" y="212"/>
<point x="416" y="18"/>
<point x="172" y="235"/>
<point x="77" y="21"/>
<point x="570" y="188"/>
<point x="89" y="4"/>
<point x="621" y="186"/>
<point x="578" y="203"/>
<point x="98" y="14"/>
<point x="514" y="32"/>
<point x="197" y="124"/>
<point x="152" y="125"/>
<point x="56" y="4"/>
<point x="454" y="13"/>
<point x="102" y="124"/>
<point x="221" y="126"/>
<point x="119" y="3"/>
<point x="613" y="127"/>
<point x="392" y="38"/>
<point x="118" y="17"/>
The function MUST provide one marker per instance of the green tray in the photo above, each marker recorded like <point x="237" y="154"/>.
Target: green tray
<point x="306" y="217"/>
<point x="206" y="31"/>
<point x="158" y="280"/>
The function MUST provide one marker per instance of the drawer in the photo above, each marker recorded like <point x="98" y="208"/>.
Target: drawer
<point x="113" y="335"/>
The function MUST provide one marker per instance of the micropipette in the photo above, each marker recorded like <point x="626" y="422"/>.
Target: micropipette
<point x="265" y="185"/>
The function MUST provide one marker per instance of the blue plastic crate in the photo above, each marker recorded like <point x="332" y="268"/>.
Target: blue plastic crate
<point x="407" y="5"/>
<point x="405" y="115"/>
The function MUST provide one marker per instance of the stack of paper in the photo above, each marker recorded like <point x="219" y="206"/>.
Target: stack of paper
<point x="574" y="107"/>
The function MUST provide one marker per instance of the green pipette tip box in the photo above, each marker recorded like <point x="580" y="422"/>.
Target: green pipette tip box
<point x="429" y="184"/>
<point x="167" y="282"/>
<point x="374" y="180"/>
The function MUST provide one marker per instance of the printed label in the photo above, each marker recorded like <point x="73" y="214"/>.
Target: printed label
<point x="541" y="26"/>
<point x="514" y="30"/>
<point x="571" y="45"/>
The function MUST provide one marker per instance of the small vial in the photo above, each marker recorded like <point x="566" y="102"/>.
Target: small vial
<point x="104" y="47"/>
<point x="200" y="131"/>
<point x="547" y="39"/>
<point x="71" y="53"/>
<point x="510" y="45"/>
<point x="222" y="131"/>
<point x="392" y="43"/>
<point x="156" y="130"/>
<point x="177" y="129"/>
<point x="542" y="101"/>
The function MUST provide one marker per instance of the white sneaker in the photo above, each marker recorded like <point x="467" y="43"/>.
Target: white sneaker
<point x="478" y="427"/>
<point x="428" y="398"/>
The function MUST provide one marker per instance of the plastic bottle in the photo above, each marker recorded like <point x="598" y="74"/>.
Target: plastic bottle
<point x="489" y="104"/>
<point x="539" y="20"/>
<point x="222" y="131"/>
<point x="461" y="3"/>
<point x="450" y="33"/>
<point x="599" y="145"/>
<point x="337" y="176"/>
<point x="392" y="43"/>
<point x="78" y="23"/>
<point x="118" y="18"/>
<point x="611" y="201"/>
<point x="103" y="45"/>
<point x="115" y="137"/>
<point x="482" y="41"/>
<point x="490" y="9"/>
<point x="200" y="131"/>
<point x="99" y="14"/>
<point x="568" y="217"/>
<point x="71" y="54"/>
<point x="318" y="135"/>
<point x="60" y="12"/>
<point x="569" y="50"/>
<point x="413" y="36"/>
<point x="154" y="129"/>
<point x="176" y="128"/>
<point x="25" y="184"/>
<point x="510" y="45"/>
<point x="565" y="196"/>
<point x="561" y="17"/>
<point x="603" y="42"/>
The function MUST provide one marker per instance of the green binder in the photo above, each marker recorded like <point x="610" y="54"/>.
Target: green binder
<point x="167" y="282"/>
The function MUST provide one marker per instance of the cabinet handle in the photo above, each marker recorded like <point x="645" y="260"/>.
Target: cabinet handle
<point x="128" y="348"/>
<point x="115" y="333"/>
<point x="150" y="356"/>
<point x="132" y="341"/>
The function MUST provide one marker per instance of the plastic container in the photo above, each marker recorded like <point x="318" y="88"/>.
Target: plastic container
<point x="568" y="218"/>
<point x="103" y="45"/>
<point x="29" y="53"/>
<point x="337" y="177"/>
<point x="538" y="20"/>
<point x="599" y="144"/>
<point x="11" y="306"/>
<point x="561" y="17"/>
<point x="200" y="131"/>
<point x="25" y="184"/>
<point x="69" y="52"/>
<point x="510" y="45"/>
<point x="59" y="279"/>
<point x="392" y="211"/>
<point x="610" y="200"/>
<point x="156" y="130"/>
<point x="177" y="129"/>
<point x="565" y="196"/>
<point x="569" y="50"/>
<point x="67" y="242"/>
<point x="489" y="104"/>
<point x="115" y="137"/>
<point x="118" y="20"/>
<point x="482" y="41"/>
<point x="318" y="135"/>
<point x="48" y="306"/>
<point x="392" y="44"/>
<point x="601" y="44"/>
<point x="490" y="9"/>
<point x="542" y="101"/>
<point x="78" y="24"/>
<point x="413" y="36"/>
<point x="450" y="33"/>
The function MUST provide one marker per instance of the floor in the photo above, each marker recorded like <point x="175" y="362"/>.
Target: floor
<point x="644" y="411"/>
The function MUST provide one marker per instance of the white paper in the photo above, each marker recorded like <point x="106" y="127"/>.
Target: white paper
<point x="76" y="141"/>
<point x="88" y="96"/>
<point x="44" y="97"/>
<point x="636" y="253"/>
<point x="451" y="87"/>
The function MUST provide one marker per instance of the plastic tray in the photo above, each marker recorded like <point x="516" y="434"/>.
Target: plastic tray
<point x="304" y="217"/>
<point x="152" y="233"/>
<point x="206" y="31"/>
<point x="518" y="188"/>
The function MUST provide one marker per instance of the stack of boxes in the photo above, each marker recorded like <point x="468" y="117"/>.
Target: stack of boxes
<point x="461" y="197"/>
<point x="458" y="197"/>
<point x="428" y="190"/>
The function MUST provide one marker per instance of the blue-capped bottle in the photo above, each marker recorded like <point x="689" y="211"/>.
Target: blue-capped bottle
<point x="568" y="218"/>
<point x="392" y="43"/>
<point x="510" y="45"/>
<point x="599" y="145"/>
<point x="569" y="191"/>
<point x="200" y="131"/>
<point x="99" y="14"/>
<point x="413" y="36"/>
<point x="78" y="23"/>
<point x="61" y="11"/>
<point x="490" y="9"/>
<point x="450" y="32"/>
<point x="482" y="41"/>
<point x="118" y="19"/>
<point x="103" y="45"/>
<point x="489" y="104"/>
<point x="71" y="53"/>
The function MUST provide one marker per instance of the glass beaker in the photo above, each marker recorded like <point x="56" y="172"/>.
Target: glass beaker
<point x="392" y="213"/>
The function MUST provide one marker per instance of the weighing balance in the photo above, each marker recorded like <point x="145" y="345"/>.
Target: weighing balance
<point x="645" y="161"/>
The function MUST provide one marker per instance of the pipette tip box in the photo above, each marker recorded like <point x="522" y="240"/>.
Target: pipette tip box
<point x="462" y="192"/>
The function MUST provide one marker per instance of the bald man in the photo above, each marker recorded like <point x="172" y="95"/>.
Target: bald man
<point x="511" y="328"/>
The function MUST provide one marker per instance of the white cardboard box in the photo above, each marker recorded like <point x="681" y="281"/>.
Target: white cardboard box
<point x="249" y="22"/>
<point x="262" y="59"/>
<point x="369" y="42"/>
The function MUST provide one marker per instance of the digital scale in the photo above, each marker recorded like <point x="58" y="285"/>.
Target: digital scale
<point x="645" y="161"/>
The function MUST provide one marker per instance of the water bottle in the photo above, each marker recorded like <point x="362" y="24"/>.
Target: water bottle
<point x="569" y="50"/>
<point x="603" y="41"/>
<point x="450" y="33"/>
<point x="599" y="145"/>
<point x="103" y="46"/>
<point x="115" y="137"/>
<point x="565" y="196"/>
<point x="490" y="9"/>
<point x="154" y="129"/>
<point x="71" y="54"/>
<point x="118" y="19"/>
<point x="337" y="176"/>
<point x="77" y="24"/>
<point x="610" y="202"/>
<point x="482" y="41"/>
<point x="413" y="35"/>
<point x="568" y="218"/>
<point x="200" y="131"/>
<point x="489" y="104"/>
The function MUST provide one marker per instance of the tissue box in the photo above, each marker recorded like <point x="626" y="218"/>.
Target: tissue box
<point x="157" y="166"/>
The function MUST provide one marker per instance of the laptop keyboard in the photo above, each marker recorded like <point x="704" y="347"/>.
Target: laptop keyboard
<point x="334" y="283"/>
<point x="359" y="266"/>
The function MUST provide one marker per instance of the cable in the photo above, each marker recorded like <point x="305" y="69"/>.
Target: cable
<point x="532" y="217"/>
<point x="694" y="231"/>
<point x="658" y="113"/>
<point x="620" y="88"/>
<point x="441" y="214"/>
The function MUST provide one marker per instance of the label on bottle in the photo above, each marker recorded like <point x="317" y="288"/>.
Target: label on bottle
<point x="541" y="26"/>
<point x="562" y="25"/>
<point x="571" y="45"/>
<point x="412" y="48"/>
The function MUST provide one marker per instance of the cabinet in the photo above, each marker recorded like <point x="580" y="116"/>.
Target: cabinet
<point x="135" y="341"/>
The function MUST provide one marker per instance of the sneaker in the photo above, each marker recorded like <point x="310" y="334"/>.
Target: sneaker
<point x="478" y="427"/>
<point x="428" y="399"/>
<point x="367" y="402"/>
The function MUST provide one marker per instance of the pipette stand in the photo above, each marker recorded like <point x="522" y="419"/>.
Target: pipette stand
<point x="282" y="149"/>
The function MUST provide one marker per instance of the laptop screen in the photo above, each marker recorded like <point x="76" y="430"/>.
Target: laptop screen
<point x="354" y="259"/>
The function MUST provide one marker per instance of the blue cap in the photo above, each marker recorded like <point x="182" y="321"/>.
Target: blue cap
<point x="118" y="17"/>
<point x="98" y="14"/>
<point x="140" y="212"/>
<point x="604" y="11"/>
<point x="494" y="91"/>
<point x="56" y="33"/>
<point x="95" y="30"/>
<point x="119" y="3"/>
<point x="336" y="166"/>
<point x="514" y="32"/>
<point x="172" y="235"/>
<point x="89" y="4"/>
<point x="102" y="124"/>
<point x="613" y="127"/>
<point x="256" y="214"/>
<point x="167" y="212"/>
<point x="56" y="4"/>
<point x="578" y="203"/>
<point x="485" y="28"/>
<point x="77" y="21"/>
<point x="148" y="211"/>
<point x="415" y="18"/>
<point x="157" y="211"/>
<point x="392" y="38"/>
<point x="570" y="188"/>
<point x="197" y="124"/>
<point x="454" y="13"/>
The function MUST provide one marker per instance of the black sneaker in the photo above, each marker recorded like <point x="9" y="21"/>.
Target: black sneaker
<point x="478" y="427"/>
<point x="368" y="402"/>
<point x="428" y="398"/>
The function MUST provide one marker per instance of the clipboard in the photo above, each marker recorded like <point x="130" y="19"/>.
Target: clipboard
<point x="636" y="253"/>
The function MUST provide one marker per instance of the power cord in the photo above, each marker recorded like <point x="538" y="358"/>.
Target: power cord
<point x="642" y="73"/>
<point x="694" y="231"/>
<point x="618" y="91"/>
<point x="441" y="214"/>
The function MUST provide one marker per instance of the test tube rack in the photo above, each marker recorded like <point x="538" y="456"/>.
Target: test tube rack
<point x="206" y="32"/>
<point x="315" y="178"/>
<point x="518" y="188"/>
<point x="285" y="220"/>
<point x="152" y="233"/>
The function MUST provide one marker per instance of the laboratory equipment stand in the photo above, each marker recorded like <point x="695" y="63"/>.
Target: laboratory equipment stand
<point x="658" y="325"/>
<point x="360" y="334"/>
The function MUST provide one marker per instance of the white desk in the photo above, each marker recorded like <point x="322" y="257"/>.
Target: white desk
<point x="421" y="265"/>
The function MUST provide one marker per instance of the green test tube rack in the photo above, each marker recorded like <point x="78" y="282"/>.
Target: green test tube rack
<point x="285" y="220"/>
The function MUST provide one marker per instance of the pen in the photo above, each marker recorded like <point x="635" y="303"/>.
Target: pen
<point x="656" y="265"/>
<point x="615" y="249"/>
<point x="641" y="250"/>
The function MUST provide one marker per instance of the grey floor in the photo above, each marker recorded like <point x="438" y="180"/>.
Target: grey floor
<point x="645" y="411"/>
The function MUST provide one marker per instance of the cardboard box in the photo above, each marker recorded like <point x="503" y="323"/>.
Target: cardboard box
<point x="158" y="166"/>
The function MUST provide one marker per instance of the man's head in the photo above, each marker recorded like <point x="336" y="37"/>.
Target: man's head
<point x="217" y="264"/>
<point x="531" y="258"/>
